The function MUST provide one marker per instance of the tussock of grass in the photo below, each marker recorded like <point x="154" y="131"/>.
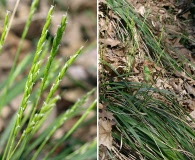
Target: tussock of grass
<point x="141" y="33"/>
<point x="150" y="124"/>
<point x="152" y="128"/>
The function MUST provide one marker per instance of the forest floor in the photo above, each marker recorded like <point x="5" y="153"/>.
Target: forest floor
<point x="173" y="24"/>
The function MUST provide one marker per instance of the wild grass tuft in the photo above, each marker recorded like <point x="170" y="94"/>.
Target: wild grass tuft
<point x="146" y="126"/>
<point x="149" y="122"/>
<point x="141" y="33"/>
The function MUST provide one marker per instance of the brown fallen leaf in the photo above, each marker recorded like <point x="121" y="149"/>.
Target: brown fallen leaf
<point x="141" y="10"/>
<point x="102" y="1"/>
<point x="190" y="89"/>
<point x="192" y="114"/>
<point x="183" y="75"/>
<point x="105" y="137"/>
<point x="110" y="42"/>
<point x="190" y="103"/>
<point x="106" y="114"/>
<point x="177" y="84"/>
<point x="100" y="106"/>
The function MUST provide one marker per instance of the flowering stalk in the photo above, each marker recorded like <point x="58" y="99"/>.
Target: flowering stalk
<point x="30" y="81"/>
<point x="55" y="47"/>
<point x="84" y="115"/>
<point x="5" y="29"/>
<point x="65" y="116"/>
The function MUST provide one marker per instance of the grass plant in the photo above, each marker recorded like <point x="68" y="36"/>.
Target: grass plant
<point x="141" y="33"/>
<point x="148" y="127"/>
<point x="17" y="141"/>
<point x="150" y="123"/>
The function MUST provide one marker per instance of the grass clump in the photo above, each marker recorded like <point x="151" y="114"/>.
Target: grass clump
<point x="147" y="127"/>
<point x="146" y="119"/>
<point x="18" y="139"/>
<point x="142" y="34"/>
